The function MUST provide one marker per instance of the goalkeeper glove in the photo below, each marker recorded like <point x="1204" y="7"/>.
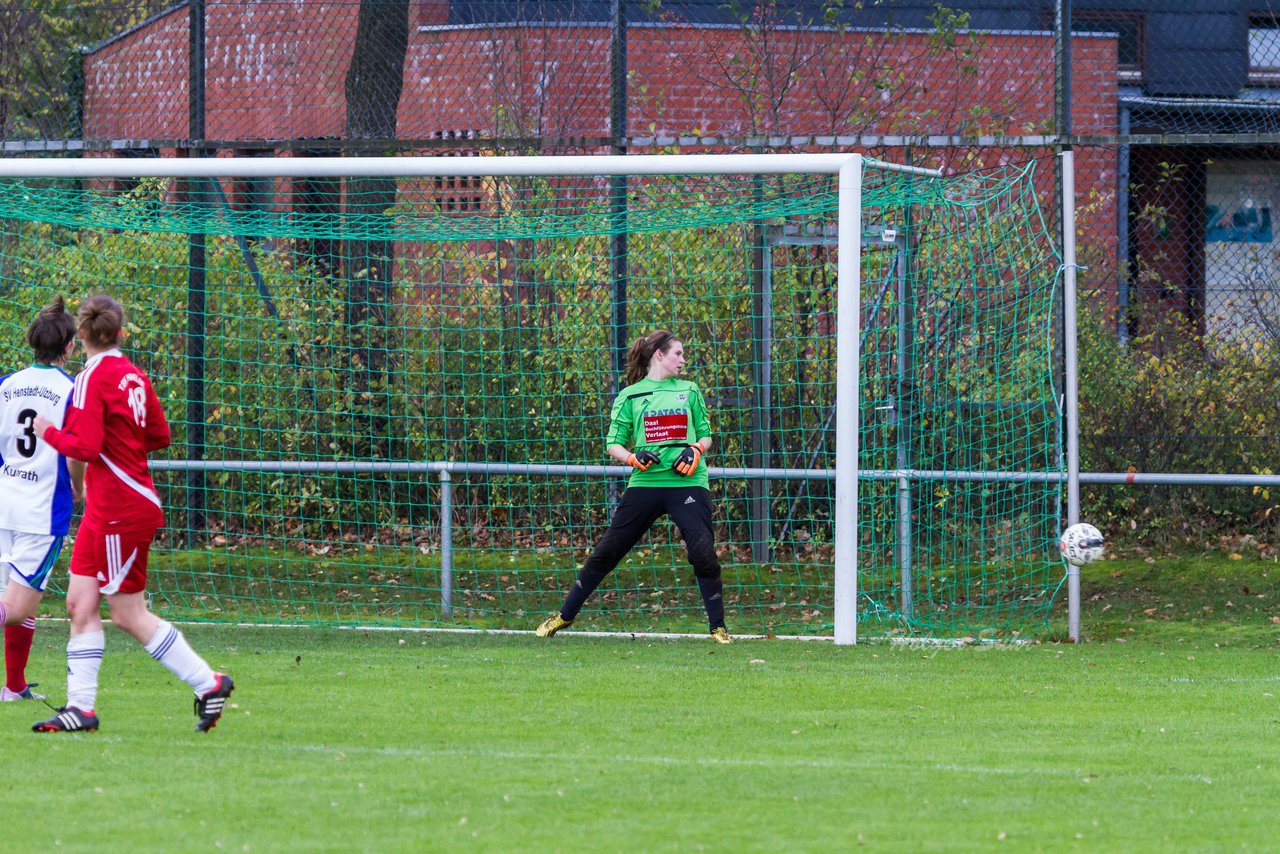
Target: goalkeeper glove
<point x="642" y="460"/>
<point x="687" y="463"/>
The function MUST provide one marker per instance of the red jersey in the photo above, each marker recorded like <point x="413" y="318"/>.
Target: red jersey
<point x="113" y="422"/>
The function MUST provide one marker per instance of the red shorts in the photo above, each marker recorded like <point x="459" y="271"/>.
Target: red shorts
<point x="117" y="558"/>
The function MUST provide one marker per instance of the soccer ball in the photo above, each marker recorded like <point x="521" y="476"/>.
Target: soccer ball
<point x="1081" y="544"/>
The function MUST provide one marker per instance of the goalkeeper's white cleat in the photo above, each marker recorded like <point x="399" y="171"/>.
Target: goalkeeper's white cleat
<point x="721" y="635"/>
<point x="551" y="625"/>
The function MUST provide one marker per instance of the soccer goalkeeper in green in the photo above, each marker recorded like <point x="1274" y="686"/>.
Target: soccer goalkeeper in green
<point x="659" y="427"/>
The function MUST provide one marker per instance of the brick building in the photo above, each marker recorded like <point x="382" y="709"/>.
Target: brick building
<point x="551" y="79"/>
<point x="517" y="77"/>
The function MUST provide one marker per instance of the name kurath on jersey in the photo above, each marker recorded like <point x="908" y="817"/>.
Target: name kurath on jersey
<point x="21" y="474"/>
<point x="33" y="391"/>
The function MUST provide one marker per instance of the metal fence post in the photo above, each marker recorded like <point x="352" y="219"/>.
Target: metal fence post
<point x="446" y="543"/>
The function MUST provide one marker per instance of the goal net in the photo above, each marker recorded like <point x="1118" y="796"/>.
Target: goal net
<point x="389" y="393"/>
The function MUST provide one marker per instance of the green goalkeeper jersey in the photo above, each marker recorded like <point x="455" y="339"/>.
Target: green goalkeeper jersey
<point x="662" y="416"/>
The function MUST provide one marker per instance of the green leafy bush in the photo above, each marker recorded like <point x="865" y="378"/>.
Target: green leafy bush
<point x="1192" y="404"/>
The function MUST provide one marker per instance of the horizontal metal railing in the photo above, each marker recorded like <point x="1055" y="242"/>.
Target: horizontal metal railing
<point x="446" y="470"/>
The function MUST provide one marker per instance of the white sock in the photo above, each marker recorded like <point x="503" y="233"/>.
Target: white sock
<point x="84" y="658"/>
<point x="171" y="649"/>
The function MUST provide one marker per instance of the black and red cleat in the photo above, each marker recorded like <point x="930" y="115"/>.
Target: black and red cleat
<point x="209" y="707"/>
<point x="68" y="719"/>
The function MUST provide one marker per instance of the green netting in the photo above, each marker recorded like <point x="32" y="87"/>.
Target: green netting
<point x="344" y="340"/>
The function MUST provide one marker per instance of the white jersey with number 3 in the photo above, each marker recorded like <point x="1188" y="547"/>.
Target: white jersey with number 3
<point x="35" y="486"/>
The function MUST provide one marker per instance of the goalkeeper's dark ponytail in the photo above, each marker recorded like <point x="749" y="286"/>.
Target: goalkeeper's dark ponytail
<point x="641" y="353"/>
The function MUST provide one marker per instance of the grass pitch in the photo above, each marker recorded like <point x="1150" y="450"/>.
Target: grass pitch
<point x="1160" y="732"/>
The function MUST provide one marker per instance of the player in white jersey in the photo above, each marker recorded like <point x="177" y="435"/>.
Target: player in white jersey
<point x="37" y="488"/>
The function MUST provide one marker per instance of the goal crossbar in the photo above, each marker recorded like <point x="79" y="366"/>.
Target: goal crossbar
<point x="498" y="166"/>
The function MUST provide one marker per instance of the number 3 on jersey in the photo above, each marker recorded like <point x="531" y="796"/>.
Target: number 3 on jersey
<point x="27" y="440"/>
<point x="138" y="403"/>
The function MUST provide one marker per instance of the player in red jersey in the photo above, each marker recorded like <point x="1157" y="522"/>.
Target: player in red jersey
<point x="113" y="422"/>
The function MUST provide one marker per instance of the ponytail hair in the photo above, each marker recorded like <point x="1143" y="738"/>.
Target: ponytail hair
<point x="50" y="333"/>
<point x="641" y="353"/>
<point x="101" y="321"/>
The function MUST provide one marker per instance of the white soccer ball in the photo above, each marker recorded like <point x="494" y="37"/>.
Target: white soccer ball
<point x="1081" y="544"/>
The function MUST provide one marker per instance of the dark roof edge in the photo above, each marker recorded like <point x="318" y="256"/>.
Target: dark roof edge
<point x="1196" y="104"/>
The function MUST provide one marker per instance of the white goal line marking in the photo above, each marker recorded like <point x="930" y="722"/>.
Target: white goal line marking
<point x="619" y="635"/>
<point x="639" y="636"/>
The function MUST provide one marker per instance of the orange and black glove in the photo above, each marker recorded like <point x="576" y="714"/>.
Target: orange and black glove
<point x="687" y="463"/>
<point x="642" y="460"/>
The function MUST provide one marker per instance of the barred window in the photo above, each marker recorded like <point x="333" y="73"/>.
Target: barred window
<point x="1264" y="49"/>
<point x="458" y="193"/>
<point x="1127" y="26"/>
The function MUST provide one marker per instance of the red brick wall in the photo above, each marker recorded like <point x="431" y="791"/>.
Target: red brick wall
<point x="135" y="87"/>
<point x="264" y="81"/>
<point x="716" y="82"/>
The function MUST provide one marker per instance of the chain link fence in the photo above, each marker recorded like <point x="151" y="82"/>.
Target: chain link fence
<point x="1173" y="108"/>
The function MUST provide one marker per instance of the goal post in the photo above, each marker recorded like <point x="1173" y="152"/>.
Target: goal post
<point x="924" y="413"/>
<point x="848" y="350"/>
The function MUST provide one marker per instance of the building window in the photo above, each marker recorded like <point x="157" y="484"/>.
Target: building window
<point x="1264" y="50"/>
<point x="1129" y="32"/>
<point x="460" y="194"/>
